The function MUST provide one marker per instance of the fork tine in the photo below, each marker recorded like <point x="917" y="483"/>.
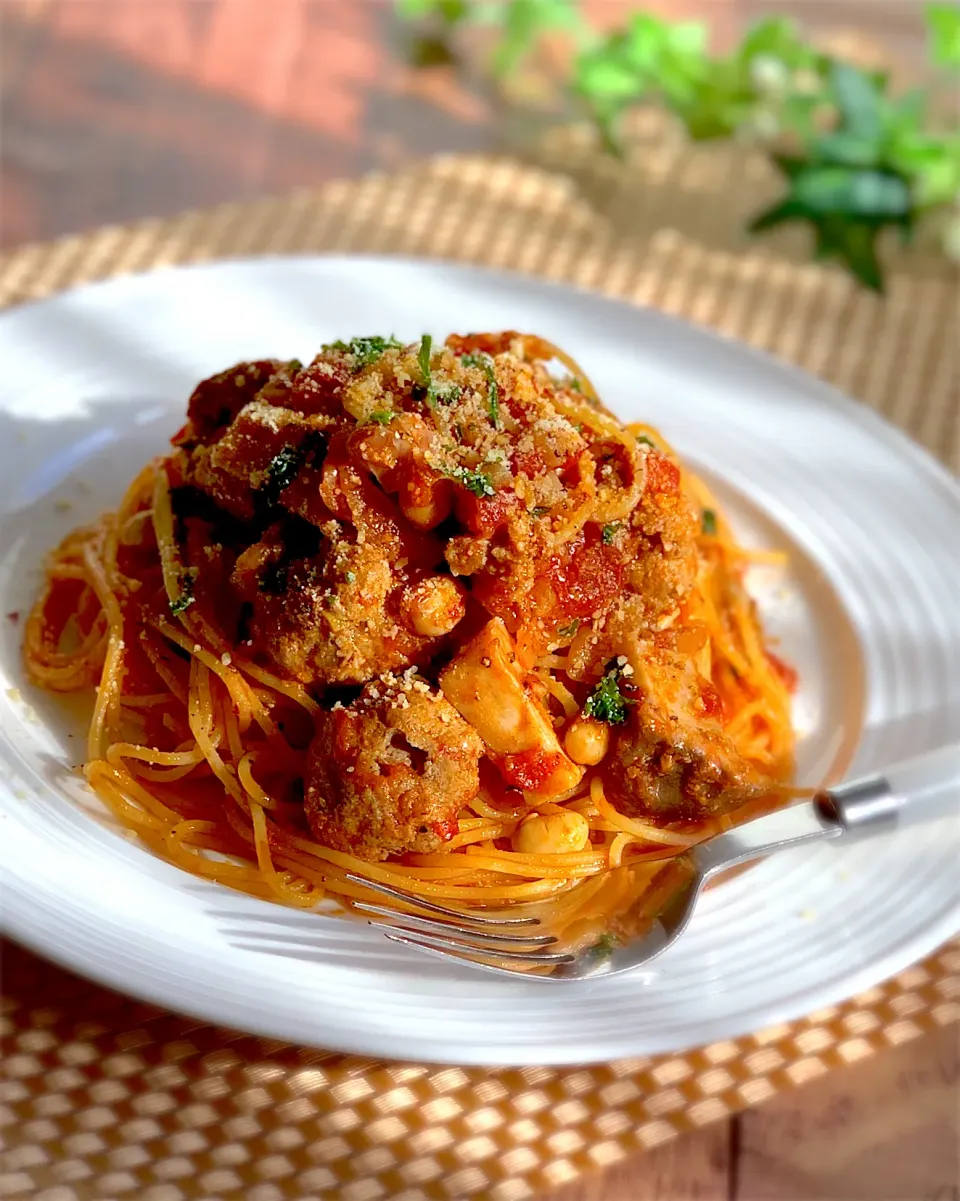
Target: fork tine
<point x="399" y="894"/>
<point x="411" y="924"/>
<point x="449" y="946"/>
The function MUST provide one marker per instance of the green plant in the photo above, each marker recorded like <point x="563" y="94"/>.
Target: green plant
<point x="856" y="159"/>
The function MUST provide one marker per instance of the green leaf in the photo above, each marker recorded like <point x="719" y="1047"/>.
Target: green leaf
<point x="443" y="392"/>
<point x="688" y="40"/>
<point x="283" y="470"/>
<point x="847" y="150"/>
<point x="943" y="29"/>
<point x="609" y="532"/>
<point x="186" y="597"/>
<point x="474" y="481"/>
<point x="526" y="20"/>
<point x="598" y="76"/>
<point x="905" y="116"/>
<point x="777" y="214"/>
<point x="643" y="43"/>
<point x="839" y="190"/>
<point x="798" y="115"/>
<point x="939" y="181"/>
<point x="364" y="350"/>
<point x="606" y="702"/>
<point x="604" y="947"/>
<point x="853" y="244"/>
<point x="451" y="12"/>
<point x="570" y="630"/>
<point x="779" y="38"/>
<point x="480" y="358"/>
<point x="423" y="359"/>
<point x="382" y="416"/>
<point x="708" y="522"/>
<point x="858" y="99"/>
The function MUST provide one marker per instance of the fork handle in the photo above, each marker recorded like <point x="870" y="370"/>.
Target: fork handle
<point x="919" y="789"/>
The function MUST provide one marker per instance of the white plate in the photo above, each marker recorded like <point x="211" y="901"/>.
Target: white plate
<point x="94" y="381"/>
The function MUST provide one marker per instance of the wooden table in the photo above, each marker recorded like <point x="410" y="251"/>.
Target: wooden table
<point x="119" y="109"/>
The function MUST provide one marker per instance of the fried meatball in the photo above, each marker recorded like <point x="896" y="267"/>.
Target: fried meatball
<point x="672" y="760"/>
<point x="216" y="401"/>
<point x="389" y="773"/>
<point x="343" y="613"/>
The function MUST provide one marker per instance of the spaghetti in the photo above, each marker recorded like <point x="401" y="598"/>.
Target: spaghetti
<point x="435" y="618"/>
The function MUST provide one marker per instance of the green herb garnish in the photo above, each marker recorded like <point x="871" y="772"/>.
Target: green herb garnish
<point x="610" y="532"/>
<point x="540" y="510"/>
<point x="474" y="481"/>
<point x="570" y="630"/>
<point x="281" y="473"/>
<point x="423" y="358"/>
<point x="186" y="597"/>
<point x="708" y="521"/>
<point x="444" y="392"/>
<point x="350" y="577"/>
<point x="482" y="360"/>
<point x="604" y="947"/>
<point x="365" y="350"/>
<point x="575" y="385"/>
<point x="294" y="365"/>
<point x="438" y="391"/>
<point x="646" y="441"/>
<point x="382" y="416"/>
<point x="606" y="702"/>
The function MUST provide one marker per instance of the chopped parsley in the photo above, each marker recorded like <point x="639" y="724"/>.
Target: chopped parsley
<point x="646" y="441"/>
<point x="474" y="481"/>
<point x="186" y="597"/>
<point x="575" y="385"/>
<point x="708" y="521"/>
<point x="606" y="702"/>
<point x="604" y="947"/>
<point x="294" y="365"/>
<point x="610" y="532"/>
<point x="423" y="358"/>
<point x="350" y="577"/>
<point x="540" y="510"/>
<point x="281" y="473"/>
<point x="570" y="630"/>
<point x="382" y="416"/>
<point x="481" y="359"/>
<point x="365" y="350"/>
<point x="445" y="392"/>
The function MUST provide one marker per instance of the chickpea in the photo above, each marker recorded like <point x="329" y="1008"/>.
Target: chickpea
<point x="433" y="606"/>
<point x="424" y="500"/>
<point x="587" y="741"/>
<point x="552" y="834"/>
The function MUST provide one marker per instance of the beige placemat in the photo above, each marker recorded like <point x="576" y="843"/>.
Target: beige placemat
<point x="104" y="1097"/>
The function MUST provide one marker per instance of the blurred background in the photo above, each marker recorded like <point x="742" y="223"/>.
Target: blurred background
<point x="113" y="110"/>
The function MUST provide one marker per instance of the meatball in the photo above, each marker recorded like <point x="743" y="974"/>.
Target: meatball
<point x="672" y="761"/>
<point x="344" y="612"/>
<point x="389" y="773"/>
<point x="216" y="401"/>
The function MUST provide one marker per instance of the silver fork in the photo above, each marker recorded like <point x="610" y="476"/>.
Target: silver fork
<point x="506" y="942"/>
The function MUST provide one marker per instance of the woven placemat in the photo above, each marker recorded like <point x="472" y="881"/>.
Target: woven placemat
<point x="104" y="1097"/>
